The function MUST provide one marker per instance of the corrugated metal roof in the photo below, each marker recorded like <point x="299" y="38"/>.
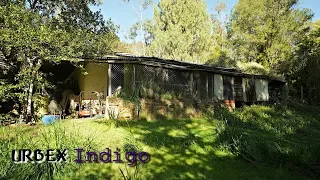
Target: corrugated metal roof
<point x="168" y="63"/>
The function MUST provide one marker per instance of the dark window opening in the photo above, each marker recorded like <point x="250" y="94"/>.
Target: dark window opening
<point x="227" y="88"/>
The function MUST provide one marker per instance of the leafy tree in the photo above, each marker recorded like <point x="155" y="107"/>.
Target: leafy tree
<point x="182" y="30"/>
<point x="307" y="64"/>
<point x="220" y="54"/>
<point x="139" y="7"/>
<point x="219" y="21"/>
<point x="147" y="33"/>
<point x="267" y="32"/>
<point x="33" y="32"/>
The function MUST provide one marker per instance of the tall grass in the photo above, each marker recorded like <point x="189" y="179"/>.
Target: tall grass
<point x="267" y="136"/>
<point x="54" y="136"/>
<point x="274" y="135"/>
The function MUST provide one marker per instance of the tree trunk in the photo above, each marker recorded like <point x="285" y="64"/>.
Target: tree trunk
<point x="29" y="102"/>
<point x="29" y="91"/>
<point x="29" y="114"/>
<point x="141" y="29"/>
<point x="23" y="114"/>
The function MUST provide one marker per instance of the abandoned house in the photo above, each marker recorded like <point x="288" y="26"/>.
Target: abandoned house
<point x="103" y="77"/>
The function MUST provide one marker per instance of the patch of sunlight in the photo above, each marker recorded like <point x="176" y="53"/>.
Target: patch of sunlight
<point x="151" y="120"/>
<point x="162" y="151"/>
<point x="113" y="134"/>
<point x="156" y="160"/>
<point x="137" y="136"/>
<point x="208" y="148"/>
<point x="223" y="153"/>
<point x="161" y="129"/>
<point x="262" y="108"/>
<point x="168" y="157"/>
<point x="267" y="127"/>
<point x="187" y="151"/>
<point x="142" y="131"/>
<point x="176" y="133"/>
<point x="192" y="125"/>
<point x="200" y="175"/>
<point x="191" y="176"/>
<point x="189" y="125"/>
<point x="189" y="161"/>
<point x="193" y="160"/>
<point x="208" y="167"/>
<point x="265" y="115"/>
<point x="204" y="132"/>
<point x="198" y="149"/>
<point x="160" y="169"/>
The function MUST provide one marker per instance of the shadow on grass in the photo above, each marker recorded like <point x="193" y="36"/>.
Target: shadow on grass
<point x="268" y="138"/>
<point x="188" y="149"/>
<point x="262" y="139"/>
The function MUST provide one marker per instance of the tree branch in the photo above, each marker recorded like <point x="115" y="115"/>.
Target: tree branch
<point x="34" y="4"/>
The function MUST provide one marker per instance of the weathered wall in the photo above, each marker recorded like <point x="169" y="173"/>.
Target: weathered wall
<point x="262" y="91"/>
<point x="96" y="78"/>
<point x="218" y="86"/>
<point x="80" y="78"/>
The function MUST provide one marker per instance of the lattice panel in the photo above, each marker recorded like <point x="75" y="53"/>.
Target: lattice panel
<point x="178" y="81"/>
<point x="162" y="80"/>
<point x="147" y="76"/>
<point x="117" y="76"/>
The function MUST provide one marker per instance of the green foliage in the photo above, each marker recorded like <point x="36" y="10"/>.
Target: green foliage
<point x="34" y="32"/>
<point x="54" y="136"/>
<point x="141" y="27"/>
<point x="307" y="64"/>
<point x="182" y="31"/>
<point x="252" y="68"/>
<point x="267" y="32"/>
<point x="280" y="142"/>
<point x="277" y="135"/>
<point x="147" y="28"/>
<point x="220" y="54"/>
<point x="220" y="57"/>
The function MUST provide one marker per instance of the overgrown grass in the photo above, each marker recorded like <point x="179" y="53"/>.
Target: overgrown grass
<point x="257" y="142"/>
<point x="274" y="135"/>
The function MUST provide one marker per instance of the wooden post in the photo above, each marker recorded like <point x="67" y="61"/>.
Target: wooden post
<point x="232" y="86"/>
<point x="106" y="114"/>
<point x="134" y="75"/>
<point x="198" y="85"/>
<point x="109" y="80"/>
<point x="286" y="93"/>
<point x="207" y="86"/>
<point x="191" y="83"/>
<point x="212" y="89"/>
